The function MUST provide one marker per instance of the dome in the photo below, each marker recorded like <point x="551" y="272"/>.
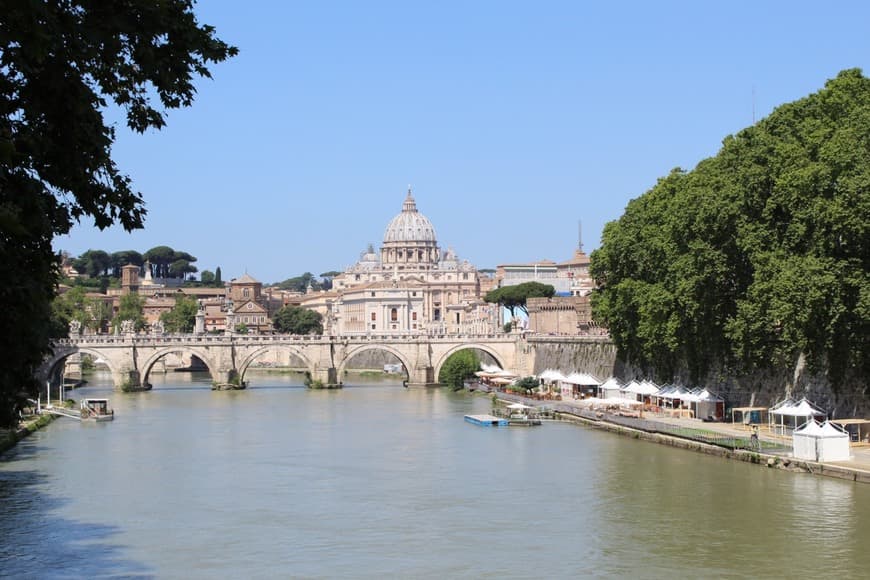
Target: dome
<point x="410" y="225"/>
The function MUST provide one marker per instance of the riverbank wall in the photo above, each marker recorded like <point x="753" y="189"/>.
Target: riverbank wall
<point x="848" y="398"/>
<point x="10" y="438"/>
<point x="761" y="459"/>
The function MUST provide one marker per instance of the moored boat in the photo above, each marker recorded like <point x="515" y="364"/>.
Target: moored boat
<point x="96" y="410"/>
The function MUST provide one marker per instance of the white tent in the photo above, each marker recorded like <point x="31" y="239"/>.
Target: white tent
<point x="609" y="389"/>
<point x="798" y="413"/>
<point x="826" y="442"/>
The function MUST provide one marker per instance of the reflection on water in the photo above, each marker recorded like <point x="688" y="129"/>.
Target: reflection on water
<point x="375" y="479"/>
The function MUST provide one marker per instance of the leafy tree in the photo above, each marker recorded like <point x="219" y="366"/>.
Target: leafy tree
<point x="757" y="255"/>
<point x="122" y="258"/>
<point x="217" y="277"/>
<point x="131" y="307"/>
<point x="514" y="297"/>
<point x="326" y="279"/>
<point x="242" y="328"/>
<point x="459" y="366"/>
<point x="93" y="263"/>
<point x="300" y="283"/>
<point x="182" y="317"/>
<point x="207" y="277"/>
<point x="297" y="320"/>
<point x="91" y="312"/>
<point x="180" y="268"/>
<point x="60" y="65"/>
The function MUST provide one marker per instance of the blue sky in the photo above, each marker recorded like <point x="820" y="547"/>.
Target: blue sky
<point x="512" y="121"/>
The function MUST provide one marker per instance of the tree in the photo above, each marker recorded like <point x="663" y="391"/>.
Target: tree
<point x="755" y="257"/>
<point x="459" y="366"/>
<point x="513" y="297"/>
<point x="131" y="307"/>
<point x="93" y="263"/>
<point x="326" y="279"/>
<point x="217" y="277"/>
<point x="300" y="283"/>
<point x="123" y="258"/>
<point x="182" y="317"/>
<point x="207" y="277"/>
<point x="297" y="320"/>
<point x="60" y="65"/>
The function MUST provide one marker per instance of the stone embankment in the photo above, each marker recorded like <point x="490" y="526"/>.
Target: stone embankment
<point x="849" y="398"/>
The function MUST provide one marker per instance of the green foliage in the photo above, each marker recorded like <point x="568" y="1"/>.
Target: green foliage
<point x="508" y="326"/>
<point x="131" y="307"/>
<point x="300" y="283"/>
<point x="93" y="263"/>
<point x="513" y="297"/>
<point x="242" y="328"/>
<point x="458" y="367"/>
<point x="168" y="263"/>
<point x="91" y="312"/>
<point x="528" y="383"/>
<point x="217" y="278"/>
<point x="182" y="317"/>
<point x="62" y="64"/>
<point x="207" y="277"/>
<point x="297" y="320"/>
<point x="757" y="254"/>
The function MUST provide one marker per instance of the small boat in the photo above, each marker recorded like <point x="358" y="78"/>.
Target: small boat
<point x="96" y="410"/>
<point x="487" y="420"/>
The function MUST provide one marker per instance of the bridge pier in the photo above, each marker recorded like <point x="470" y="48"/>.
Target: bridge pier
<point x="129" y="380"/>
<point x="422" y="377"/>
<point x="328" y="376"/>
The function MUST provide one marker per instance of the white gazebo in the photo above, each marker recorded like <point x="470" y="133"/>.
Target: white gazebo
<point x="610" y="389"/>
<point x="825" y="442"/>
<point x="797" y="414"/>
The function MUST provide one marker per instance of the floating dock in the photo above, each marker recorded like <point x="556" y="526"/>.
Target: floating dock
<point x="487" y="420"/>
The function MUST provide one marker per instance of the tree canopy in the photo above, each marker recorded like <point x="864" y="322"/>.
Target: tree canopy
<point x="61" y="64"/>
<point x="182" y="317"/>
<point x="296" y="320"/>
<point x="514" y="297"/>
<point x="458" y="367"/>
<point x="758" y="254"/>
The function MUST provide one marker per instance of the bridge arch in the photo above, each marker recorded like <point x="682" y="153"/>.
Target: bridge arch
<point x="409" y="368"/>
<point x="161" y="352"/>
<point x="251" y="357"/>
<point x="60" y="354"/>
<point x="472" y="346"/>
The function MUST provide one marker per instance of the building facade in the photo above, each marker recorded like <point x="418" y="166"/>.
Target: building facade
<point x="411" y="286"/>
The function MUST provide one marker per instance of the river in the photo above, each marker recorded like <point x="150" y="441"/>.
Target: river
<point x="376" y="480"/>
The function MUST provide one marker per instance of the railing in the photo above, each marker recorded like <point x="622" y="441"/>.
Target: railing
<point x="98" y="339"/>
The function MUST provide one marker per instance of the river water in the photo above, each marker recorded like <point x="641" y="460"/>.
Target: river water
<point x="376" y="480"/>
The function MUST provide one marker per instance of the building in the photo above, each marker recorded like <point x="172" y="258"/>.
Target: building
<point x="411" y="286"/>
<point x="569" y="278"/>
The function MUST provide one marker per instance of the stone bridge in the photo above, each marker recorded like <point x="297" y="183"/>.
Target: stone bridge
<point x="130" y="358"/>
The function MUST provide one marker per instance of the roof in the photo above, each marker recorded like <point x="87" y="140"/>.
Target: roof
<point x="244" y="279"/>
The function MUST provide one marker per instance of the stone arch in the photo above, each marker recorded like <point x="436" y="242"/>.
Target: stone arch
<point x="250" y="358"/>
<point x="161" y="352"/>
<point x="409" y="369"/>
<point x="47" y="368"/>
<point x="474" y="346"/>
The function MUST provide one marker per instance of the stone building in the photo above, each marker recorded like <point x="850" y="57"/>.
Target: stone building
<point x="411" y="286"/>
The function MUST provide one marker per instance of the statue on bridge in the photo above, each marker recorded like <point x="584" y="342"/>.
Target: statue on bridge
<point x="127" y="327"/>
<point x="75" y="328"/>
<point x="158" y="328"/>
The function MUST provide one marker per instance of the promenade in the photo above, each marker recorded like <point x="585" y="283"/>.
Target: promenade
<point x="733" y="438"/>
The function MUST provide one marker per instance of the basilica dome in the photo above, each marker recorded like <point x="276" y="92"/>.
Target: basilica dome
<point x="410" y="225"/>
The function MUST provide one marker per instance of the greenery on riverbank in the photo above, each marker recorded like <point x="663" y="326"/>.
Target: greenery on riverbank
<point x="10" y="437"/>
<point x="758" y="257"/>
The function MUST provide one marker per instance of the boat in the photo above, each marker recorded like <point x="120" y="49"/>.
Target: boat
<point x="487" y="420"/>
<point x="96" y="410"/>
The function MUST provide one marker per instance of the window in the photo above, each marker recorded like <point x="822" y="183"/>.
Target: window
<point x="413" y="316"/>
<point x="373" y="326"/>
<point x="250" y="305"/>
<point x="373" y="294"/>
<point x="457" y="318"/>
<point x="246" y="292"/>
<point x="374" y="317"/>
<point x="436" y="314"/>
<point x="413" y="293"/>
<point x="394" y="315"/>
<point x="356" y="277"/>
<point x="465" y="276"/>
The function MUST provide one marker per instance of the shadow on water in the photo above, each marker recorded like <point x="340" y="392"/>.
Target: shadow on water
<point x="48" y="545"/>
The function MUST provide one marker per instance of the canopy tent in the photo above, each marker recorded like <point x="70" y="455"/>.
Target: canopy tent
<point x="640" y="390"/>
<point x="749" y="415"/>
<point x="613" y="402"/>
<point x="798" y="413"/>
<point x="610" y="389"/>
<point x="519" y="406"/>
<point x="858" y="429"/>
<point x="581" y="384"/>
<point x="825" y="442"/>
<point x="709" y="406"/>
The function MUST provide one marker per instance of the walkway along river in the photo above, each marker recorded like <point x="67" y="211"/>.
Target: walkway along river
<point x="374" y="479"/>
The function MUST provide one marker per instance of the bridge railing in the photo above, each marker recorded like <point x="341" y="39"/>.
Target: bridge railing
<point x="110" y="339"/>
